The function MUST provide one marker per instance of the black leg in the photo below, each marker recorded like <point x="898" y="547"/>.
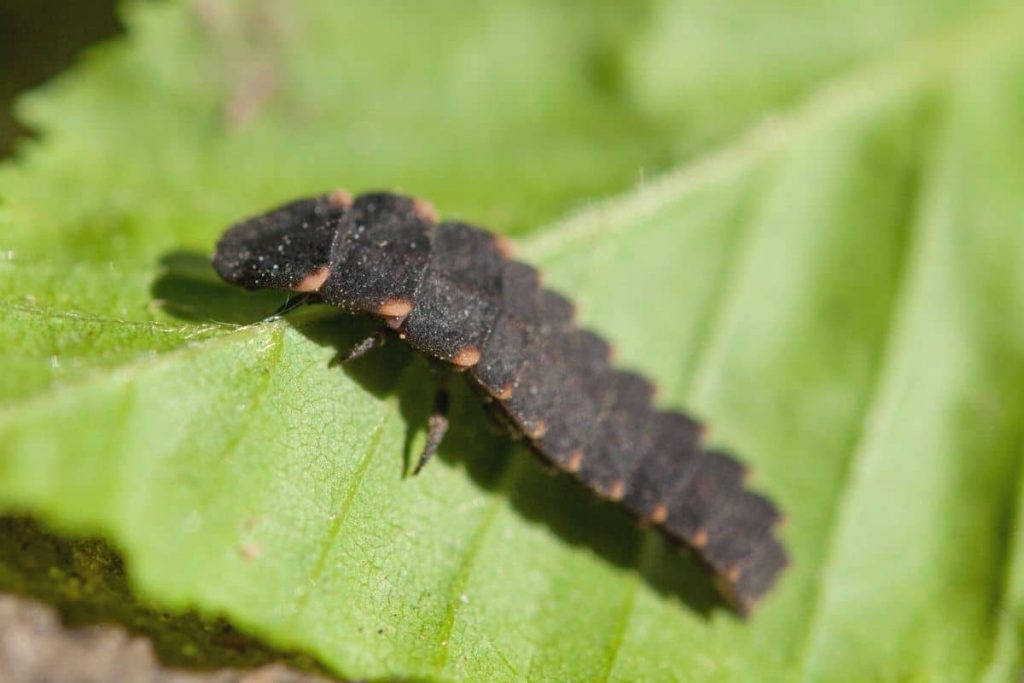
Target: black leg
<point x="437" y="426"/>
<point x="293" y="302"/>
<point x="372" y="342"/>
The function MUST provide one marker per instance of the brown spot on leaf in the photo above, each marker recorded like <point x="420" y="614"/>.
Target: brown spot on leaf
<point x="250" y="40"/>
<point x="250" y="551"/>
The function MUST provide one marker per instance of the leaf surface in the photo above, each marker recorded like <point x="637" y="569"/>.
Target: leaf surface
<point x="838" y="290"/>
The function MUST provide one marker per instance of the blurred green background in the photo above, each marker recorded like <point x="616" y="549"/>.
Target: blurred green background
<point x="38" y="38"/>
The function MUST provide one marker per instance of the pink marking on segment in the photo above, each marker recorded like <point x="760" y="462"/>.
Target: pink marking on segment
<point x="505" y="393"/>
<point x="340" y="198"/>
<point x="314" y="281"/>
<point x="395" y="308"/>
<point x="659" y="514"/>
<point x="504" y="246"/>
<point x="467" y="357"/>
<point x="574" y="462"/>
<point x="704" y="433"/>
<point x="424" y="210"/>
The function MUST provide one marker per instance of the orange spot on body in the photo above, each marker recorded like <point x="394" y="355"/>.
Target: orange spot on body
<point x="395" y="308"/>
<point x="705" y="432"/>
<point x="539" y="430"/>
<point x="574" y="462"/>
<point x="505" y="393"/>
<point x="339" y="198"/>
<point x="424" y="210"/>
<point x="700" y="539"/>
<point x="617" y="490"/>
<point x="659" y="514"/>
<point x="467" y="357"/>
<point x="314" y="281"/>
<point x="504" y="246"/>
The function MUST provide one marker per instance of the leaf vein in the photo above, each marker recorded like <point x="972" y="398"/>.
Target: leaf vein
<point x="498" y="498"/>
<point x="373" y="448"/>
<point x="911" y="267"/>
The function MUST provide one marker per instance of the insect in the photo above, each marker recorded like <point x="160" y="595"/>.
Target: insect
<point x="453" y="293"/>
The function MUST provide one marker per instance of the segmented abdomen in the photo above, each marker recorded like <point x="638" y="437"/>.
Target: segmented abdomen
<point x="453" y="294"/>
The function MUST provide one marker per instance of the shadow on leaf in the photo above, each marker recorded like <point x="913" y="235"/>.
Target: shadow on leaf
<point x="190" y="290"/>
<point x="476" y="443"/>
<point x="84" y="579"/>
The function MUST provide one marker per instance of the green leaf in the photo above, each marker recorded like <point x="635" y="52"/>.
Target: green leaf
<point x="839" y="290"/>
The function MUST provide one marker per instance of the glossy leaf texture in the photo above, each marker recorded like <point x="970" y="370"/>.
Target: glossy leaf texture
<point x="837" y="288"/>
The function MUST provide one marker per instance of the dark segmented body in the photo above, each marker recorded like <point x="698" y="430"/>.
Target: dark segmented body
<point x="452" y="293"/>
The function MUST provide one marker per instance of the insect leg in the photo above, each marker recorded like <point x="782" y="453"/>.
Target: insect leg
<point x="437" y="426"/>
<point x="375" y="340"/>
<point x="295" y="301"/>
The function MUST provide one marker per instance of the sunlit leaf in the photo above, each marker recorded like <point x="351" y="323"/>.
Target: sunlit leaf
<point x="839" y="290"/>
